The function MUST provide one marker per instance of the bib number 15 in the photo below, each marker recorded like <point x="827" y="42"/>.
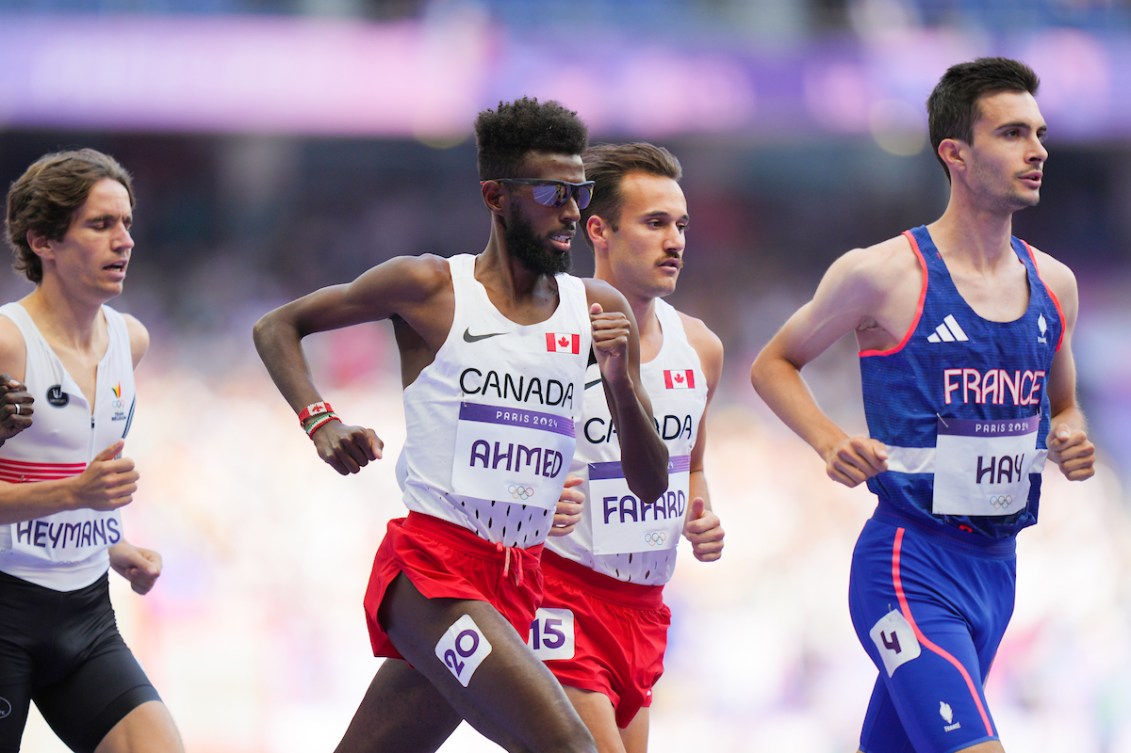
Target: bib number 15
<point x="551" y="634"/>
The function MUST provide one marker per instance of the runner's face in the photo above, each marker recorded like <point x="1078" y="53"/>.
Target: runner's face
<point x="1008" y="156"/>
<point x="644" y="253"/>
<point x="540" y="236"/>
<point x="92" y="257"/>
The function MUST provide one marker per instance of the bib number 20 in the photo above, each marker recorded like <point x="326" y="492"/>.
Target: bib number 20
<point x="462" y="648"/>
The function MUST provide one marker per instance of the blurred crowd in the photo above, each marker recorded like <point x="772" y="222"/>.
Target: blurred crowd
<point x="800" y="17"/>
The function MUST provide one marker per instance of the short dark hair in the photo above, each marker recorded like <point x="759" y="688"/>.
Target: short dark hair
<point x="506" y="135"/>
<point x="952" y="108"/>
<point x="45" y="198"/>
<point x="608" y="164"/>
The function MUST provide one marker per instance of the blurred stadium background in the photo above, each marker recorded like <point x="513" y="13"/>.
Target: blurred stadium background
<point x="281" y="145"/>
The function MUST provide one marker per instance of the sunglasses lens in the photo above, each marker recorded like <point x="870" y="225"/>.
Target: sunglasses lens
<point x="556" y="193"/>
<point x="584" y="196"/>
<point x="551" y="194"/>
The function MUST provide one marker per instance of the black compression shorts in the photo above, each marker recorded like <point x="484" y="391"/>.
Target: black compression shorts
<point x="62" y="650"/>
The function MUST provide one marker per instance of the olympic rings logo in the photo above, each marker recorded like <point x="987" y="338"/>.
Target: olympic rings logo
<point x="655" y="538"/>
<point x="1001" y="501"/>
<point x="520" y="491"/>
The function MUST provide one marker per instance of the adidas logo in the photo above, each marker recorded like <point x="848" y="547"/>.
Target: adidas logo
<point x="948" y="332"/>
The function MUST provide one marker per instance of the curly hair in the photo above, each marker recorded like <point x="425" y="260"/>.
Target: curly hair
<point x="46" y="196"/>
<point x="952" y="107"/>
<point x="505" y="135"/>
<point x="608" y="164"/>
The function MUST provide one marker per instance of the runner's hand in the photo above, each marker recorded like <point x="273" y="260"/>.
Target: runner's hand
<point x="570" y="504"/>
<point x="704" y="530"/>
<point x="1073" y="452"/>
<point x="610" y="342"/>
<point x="855" y="460"/>
<point x="15" y="407"/>
<point x="141" y="567"/>
<point x="347" y="449"/>
<point x="107" y="483"/>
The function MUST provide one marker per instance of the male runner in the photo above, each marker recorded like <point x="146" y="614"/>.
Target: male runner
<point x="68" y="222"/>
<point x="969" y="382"/>
<point x="493" y="351"/>
<point x="602" y="628"/>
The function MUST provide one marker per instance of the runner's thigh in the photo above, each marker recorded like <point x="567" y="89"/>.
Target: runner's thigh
<point x="482" y="666"/>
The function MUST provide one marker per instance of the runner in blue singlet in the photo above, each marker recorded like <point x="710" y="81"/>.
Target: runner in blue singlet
<point x="969" y="385"/>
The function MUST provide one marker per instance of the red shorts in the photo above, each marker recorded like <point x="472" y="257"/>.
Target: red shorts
<point x="446" y="561"/>
<point x="620" y="634"/>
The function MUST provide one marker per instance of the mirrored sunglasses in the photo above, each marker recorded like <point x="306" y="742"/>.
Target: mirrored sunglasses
<point x="555" y="193"/>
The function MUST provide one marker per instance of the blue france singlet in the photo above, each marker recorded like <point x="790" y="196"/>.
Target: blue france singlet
<point x="962" y="405"/>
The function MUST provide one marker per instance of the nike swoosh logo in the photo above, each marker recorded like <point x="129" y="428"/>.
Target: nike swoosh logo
<point x="594" y="383"/>
<point x="470" y="338"/>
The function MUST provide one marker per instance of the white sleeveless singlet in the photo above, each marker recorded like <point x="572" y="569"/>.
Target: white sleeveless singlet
<point x="67" y="550"/>
<point x="618" y="536"/>
<point x="490" y="422"/>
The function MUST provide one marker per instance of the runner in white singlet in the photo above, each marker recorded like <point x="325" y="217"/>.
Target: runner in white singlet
<point x="68" y="399"/>
<point x="602" y="628"/>
<point x="493" y="351"/>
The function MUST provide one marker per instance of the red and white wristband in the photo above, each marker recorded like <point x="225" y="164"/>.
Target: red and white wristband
<point x="316" y="415"/>
<point x="313" y="410"/>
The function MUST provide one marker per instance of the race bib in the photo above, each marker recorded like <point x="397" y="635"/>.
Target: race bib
<point x="895" y="641"/>
<point x="462" y="648"/>
<point x="551" y="634"/>
<point x="69" y="536"/>
<point x="982" y="467"/>
<point x="622" y="523"/>
<point x="512" y="454"/>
